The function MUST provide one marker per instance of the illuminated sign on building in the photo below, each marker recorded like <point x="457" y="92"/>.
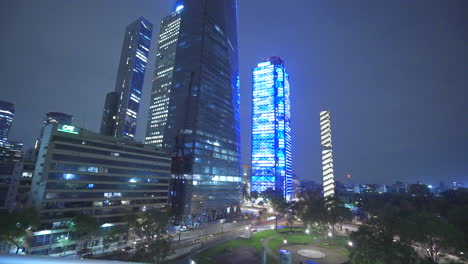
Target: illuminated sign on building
<point x="68" y="129"/>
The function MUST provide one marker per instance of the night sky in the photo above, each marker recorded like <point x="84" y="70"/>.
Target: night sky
<point x="394" y="74"/>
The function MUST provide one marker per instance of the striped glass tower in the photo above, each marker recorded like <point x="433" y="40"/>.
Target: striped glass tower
<point x="327" y="154"/>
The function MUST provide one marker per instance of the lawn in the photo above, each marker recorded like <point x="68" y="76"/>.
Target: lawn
<point x="292" y="235"/>
<point x="296" y="236"/>
<point x="208" y="255"/>
<point x="338" y="243"/>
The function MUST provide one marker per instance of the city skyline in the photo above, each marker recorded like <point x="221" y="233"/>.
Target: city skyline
<point x="409" y="136"/>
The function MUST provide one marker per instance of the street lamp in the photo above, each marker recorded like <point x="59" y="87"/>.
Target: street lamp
<point x="270" y="210"/>
<point x="285" y="241"/>
<point x="330" y="234"/>
<point x="307" y="231"/>
<point x="350" y="243"/>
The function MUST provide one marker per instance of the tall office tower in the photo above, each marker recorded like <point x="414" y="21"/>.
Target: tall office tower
<point x="194" y="108"/>
<point x="129" y="85"/>
<point x="109" y="116"/>
<point x="271" y="128"/>
<point x="7" y="113"/>
<point x="327" y="154"/>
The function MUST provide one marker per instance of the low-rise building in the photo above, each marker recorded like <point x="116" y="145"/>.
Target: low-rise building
<point x="82" y="172"/>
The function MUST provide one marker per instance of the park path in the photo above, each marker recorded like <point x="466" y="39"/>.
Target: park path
<point x="275" y="255"/>
<point x="268" y="250"/>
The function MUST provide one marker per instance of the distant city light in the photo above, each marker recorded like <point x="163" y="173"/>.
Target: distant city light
<point x="350" y="243"/>
<point x="307" y="231"/>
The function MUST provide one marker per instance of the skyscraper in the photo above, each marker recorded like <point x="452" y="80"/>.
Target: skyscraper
<point x="7" y="113"/>
<point x="108" y="126"/>
<point x="121" y="121"/>
<point x="327" y="154"/>
<point x="194" y="106"/>
<point x="56" y="118"/>
<point x="271" y="128"/>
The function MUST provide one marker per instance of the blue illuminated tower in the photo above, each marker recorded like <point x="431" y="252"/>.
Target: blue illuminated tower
<point x="271" y="128"/>
<point x="122" y="106"/>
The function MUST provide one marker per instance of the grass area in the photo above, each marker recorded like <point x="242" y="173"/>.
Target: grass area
<point x="338" y="243"/>
<point x="296" y="236"/>
<point x="210" y="254"/>
<point x="292" y="235"/>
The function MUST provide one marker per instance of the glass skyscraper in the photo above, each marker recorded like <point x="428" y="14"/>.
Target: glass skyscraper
<point x="194" y="112"/>
<point x="271" y="128"/>
<point x="122" y="121"/>
<point x="7" y="113"/>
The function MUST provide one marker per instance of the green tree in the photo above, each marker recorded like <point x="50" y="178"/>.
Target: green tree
<point x="14" y="226"/>
<point x="86" y="226"/>
<point x="110" y="236"/>
<point x="432" y="234"/>
<point x="337" y="214"/>
<point x="277" y="202"/>
<point x="156" y="244"/>
<point x="311" y="209"/>
<point x="254" y="195"/>
<point x="371" y="246"/>
<point x="245" y="192"/>
<point x="132" y="221"/>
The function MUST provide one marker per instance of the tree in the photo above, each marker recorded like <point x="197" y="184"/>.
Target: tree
<point x="151" y="227"/>
<point x="277" y="202"/>
<point x="14" y="226"/>
<point x="254" y="195"/>
<point x="431" y="234"/>
<point x="338" y="214"/>
<point x="110" y="236"/>
<point x="311" y="209"/>
<point x="86" y="226"/>
<point x="132" y="224"/>
<point x="245" y="192"/>
<point x="371" y="246"/>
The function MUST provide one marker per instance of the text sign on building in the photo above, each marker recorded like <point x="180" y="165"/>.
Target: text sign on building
<point x="68" y="129"/>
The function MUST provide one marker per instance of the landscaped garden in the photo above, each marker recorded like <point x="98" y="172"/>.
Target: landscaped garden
<point x="275" y="240"/>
